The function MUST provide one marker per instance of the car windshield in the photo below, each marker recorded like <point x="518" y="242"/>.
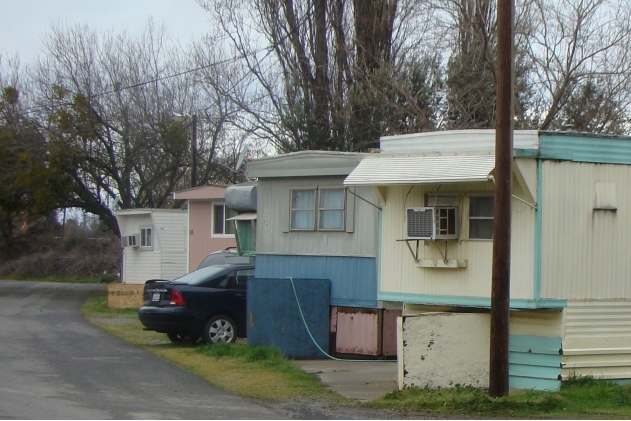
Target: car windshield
<point x="200" y="275"/>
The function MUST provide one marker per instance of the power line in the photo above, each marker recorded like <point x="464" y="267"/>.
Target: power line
<point x="269" y="49"/>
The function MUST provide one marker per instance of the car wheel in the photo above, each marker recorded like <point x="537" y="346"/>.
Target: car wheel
<point x="182" y="337"/>
<point x="220" y="329"/>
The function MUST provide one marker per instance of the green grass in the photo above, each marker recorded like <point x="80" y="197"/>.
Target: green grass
<point x="103" y="279"/>
<point x="262" y="372"/>
<point x="258" y="372"/>
<point x="579" y="398"/>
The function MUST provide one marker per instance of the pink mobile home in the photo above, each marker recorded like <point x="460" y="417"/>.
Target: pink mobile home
<point x="207" y="226"/>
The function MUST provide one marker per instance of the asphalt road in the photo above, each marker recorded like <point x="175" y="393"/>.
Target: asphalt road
<point x="55" y="365"/>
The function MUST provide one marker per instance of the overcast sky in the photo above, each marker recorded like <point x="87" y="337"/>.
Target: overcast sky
<point x="23" y="22"/>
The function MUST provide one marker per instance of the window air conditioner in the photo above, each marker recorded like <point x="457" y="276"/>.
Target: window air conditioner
<point x="439" y="223"/>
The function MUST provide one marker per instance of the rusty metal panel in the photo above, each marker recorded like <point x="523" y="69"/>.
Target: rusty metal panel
<point x="358" y="332"/>
<point x="389" y="333"/>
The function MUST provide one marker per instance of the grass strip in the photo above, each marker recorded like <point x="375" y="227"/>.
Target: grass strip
<point x="256" y="372"/>
<point x="577" y="399"/>
<point x="262" y="372"/>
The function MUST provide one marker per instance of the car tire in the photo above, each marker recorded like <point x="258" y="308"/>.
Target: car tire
<point x="182" y="337"/>
<point x="220" y="329"/>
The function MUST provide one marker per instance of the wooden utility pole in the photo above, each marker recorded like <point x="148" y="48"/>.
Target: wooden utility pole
<point x="194" y="151"/>
<point x="500" y="289"/>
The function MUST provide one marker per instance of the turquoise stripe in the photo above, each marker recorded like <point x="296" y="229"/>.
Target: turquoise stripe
<point x="379" y="236"/>
<point x="585" y="148"/>
<point x="538" y="232"/>
<point x="463" y="301"/>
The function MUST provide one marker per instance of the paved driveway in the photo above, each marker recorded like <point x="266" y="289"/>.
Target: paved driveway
<point x="55" y="365"/>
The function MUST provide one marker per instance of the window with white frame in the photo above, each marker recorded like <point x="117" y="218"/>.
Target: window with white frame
<point x="221" y="226"/>
<point x="317" y="209"/>
<point x="481" y="209"/>
<point x="146" y="237"/>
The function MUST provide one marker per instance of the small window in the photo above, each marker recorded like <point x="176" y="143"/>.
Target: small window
<point x="146" y="237"/>
<point x="331" y="209"/>
<point x="328" y="206"/>
<point x="243" y="276"/>
<point x="481" y="210"/>
<point x="303" y="209"/>
<point x="221" y="225"/>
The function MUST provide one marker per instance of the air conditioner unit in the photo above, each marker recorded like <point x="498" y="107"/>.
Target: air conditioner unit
<point x="438" y="223"/>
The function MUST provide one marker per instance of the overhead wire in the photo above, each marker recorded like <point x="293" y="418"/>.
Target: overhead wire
<point x="269" y="49"/>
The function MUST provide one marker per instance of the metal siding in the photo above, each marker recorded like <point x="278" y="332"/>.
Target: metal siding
<point x="357" y="333"/>
<point x="353" y="279"/>
<point x="584" y="252"/>
<point x="140" y="265"/>
<point x="389" y="332"/>
<point x="200" y="242"/>
<point x="586" y="148"/>
<point x="456" y="141"/>
<point x="382" y="170"/>
<point x="534" y="362"/>
<point x="272" y="234"/>
<point x="170" y="234"/>
<point x="399" y="273"/>
<point x="597" y="339"/>
<point x="275" y="318"/>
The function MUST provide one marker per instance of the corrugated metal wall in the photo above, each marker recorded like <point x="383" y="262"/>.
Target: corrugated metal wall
<point x="400" y="274"/>
<point x="353" y="279"/>
<point x="274" y="315"/>
<point x="597" y="339"/>
<point x="171" y="234"/>
<point x="585" y="252"/>
<point x="273" y="220"/>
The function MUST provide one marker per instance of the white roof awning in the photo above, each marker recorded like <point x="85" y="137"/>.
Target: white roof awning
<point x="247" y="216"/>
<point x="390" y="170"/>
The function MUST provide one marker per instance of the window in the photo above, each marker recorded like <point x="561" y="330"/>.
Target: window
<point x="327" y="205"/>
<point x="303" y="209"/>
<point x="243" y="276"/>
<point x="220" y="224"/>
<point x="331" y="209"/>
<point x="146" y="237"/>
<point x="481" y="211"/>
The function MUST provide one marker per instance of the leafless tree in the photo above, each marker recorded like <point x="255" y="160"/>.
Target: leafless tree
<point x="324" y="74"/>
<point x="575" y="44"/>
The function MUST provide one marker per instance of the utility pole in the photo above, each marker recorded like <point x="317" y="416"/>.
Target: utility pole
<point x="500" y="288"/>
<point x="194" y="151"/>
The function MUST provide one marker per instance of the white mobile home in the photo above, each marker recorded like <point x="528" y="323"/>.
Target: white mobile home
<point x="571" y="218"/>
<point x="154" y="244"/>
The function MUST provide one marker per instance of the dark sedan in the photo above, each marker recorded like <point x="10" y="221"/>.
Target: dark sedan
<point x="209" y="302"/>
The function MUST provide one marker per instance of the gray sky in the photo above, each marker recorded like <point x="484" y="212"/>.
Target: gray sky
<point x="23" y="22"/>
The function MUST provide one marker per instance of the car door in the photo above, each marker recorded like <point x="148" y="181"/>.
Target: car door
<point x="240" y="288"/>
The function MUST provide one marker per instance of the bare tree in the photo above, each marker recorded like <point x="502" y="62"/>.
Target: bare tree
<point x="110" y="112"/>
<point x="576" y="45"/>
<point x="323" y="74"/>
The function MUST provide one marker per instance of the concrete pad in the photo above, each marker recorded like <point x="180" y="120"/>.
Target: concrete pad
<point x="364" y="381"/>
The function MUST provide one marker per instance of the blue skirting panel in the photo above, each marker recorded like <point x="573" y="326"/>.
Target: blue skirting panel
<point x="353" y="279"/>
<point x="274" y="315"/>
<point x="534" y="362"/>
